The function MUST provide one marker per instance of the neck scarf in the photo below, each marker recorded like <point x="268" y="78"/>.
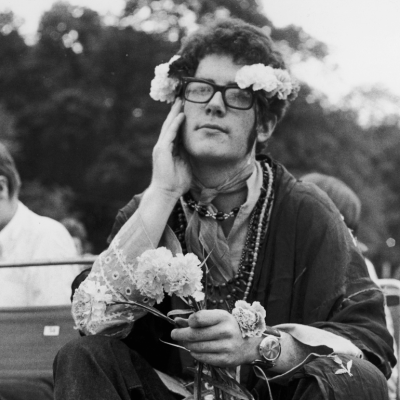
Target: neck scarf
<point x="204" y="235"/>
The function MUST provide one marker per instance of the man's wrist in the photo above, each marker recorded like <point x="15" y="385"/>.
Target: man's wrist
<point x="253" y="352"/>
<point x="163" y="194"/>
<point x="269" y="349"/>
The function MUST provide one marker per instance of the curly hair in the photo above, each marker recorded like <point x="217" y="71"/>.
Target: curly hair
<point x="245" y="43"/>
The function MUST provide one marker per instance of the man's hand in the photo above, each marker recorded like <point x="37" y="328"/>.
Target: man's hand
<point x="214" y="337"/>
<point x="171" y="169"/>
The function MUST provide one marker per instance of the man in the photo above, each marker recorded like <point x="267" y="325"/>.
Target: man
<point x="26" y="236"/>
<point x="268" y="238"/>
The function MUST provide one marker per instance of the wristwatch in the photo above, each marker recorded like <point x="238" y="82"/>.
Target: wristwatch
<point x="269" y="349"/>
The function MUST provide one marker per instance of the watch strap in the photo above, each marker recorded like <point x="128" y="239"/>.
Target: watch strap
<point x="263" y="363"/>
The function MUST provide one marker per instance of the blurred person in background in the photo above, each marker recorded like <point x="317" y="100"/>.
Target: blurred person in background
<point x="349" y="205"/>
<point x="26" y="236"/>
<point x="79" y="234"/>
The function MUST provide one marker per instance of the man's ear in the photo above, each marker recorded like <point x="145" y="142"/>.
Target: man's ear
<point x="4" y="192"/>
<point x="264" y="132"/>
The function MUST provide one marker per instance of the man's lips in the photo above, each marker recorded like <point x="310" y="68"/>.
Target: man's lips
<point x="214" y="127"/>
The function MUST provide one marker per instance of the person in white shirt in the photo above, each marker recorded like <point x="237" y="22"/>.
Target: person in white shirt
<point x="26" y="236"/>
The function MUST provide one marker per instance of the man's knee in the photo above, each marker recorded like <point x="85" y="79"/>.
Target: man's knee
<point x="369" y="369"/>
<point x="371" y="376"/>
<point x="353" y="378"/>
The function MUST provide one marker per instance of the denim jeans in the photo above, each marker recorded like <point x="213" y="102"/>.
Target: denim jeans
<point x="102" y="368"/>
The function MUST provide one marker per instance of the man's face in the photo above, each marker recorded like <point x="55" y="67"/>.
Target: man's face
<point x="214" y="132"/>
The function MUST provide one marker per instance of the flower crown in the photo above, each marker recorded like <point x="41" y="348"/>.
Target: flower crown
<point x="274" y="81"/>
<point x="162" y="86"/>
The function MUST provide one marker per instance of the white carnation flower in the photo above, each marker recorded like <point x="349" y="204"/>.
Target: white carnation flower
<point x="259" y="76"/>
<point x="263" y="77"/>
<point x="98" y="310"/>
<point x="97" y="291"/>
<point x="90" y="301"/>
<point x="150" y="275"/>
<point x="183" y="277"/>
<point x="198" y="296"/>
<point x="285" y="83"/>
<point x="250" y="318"/>
<point x="160" y="257"/>
<point x="162" y="86"/>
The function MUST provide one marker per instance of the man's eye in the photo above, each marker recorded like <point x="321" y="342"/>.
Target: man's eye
<point x="202" y="89"/>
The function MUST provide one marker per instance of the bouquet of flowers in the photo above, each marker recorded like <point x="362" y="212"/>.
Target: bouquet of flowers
<point x="159" y="273"/>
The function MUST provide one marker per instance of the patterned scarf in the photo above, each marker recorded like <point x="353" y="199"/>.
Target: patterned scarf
<point x="204" y="235"/>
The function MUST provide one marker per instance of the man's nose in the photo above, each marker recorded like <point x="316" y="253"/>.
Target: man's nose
<point x="216" y="105"/>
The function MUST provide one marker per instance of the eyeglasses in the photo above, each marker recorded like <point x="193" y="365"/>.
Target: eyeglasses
<point x="202" y="91"/>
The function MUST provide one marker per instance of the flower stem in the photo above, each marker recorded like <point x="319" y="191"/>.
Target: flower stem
<point x="150" y="309"/>
<point x="197" y="382"/>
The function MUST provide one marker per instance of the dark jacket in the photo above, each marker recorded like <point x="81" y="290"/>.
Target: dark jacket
<point x="309" y="271"/>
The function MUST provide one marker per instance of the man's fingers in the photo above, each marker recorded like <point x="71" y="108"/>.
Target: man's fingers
<point x="204" y="325"/>
<point x="181" y="322"/>
<point x="207" y="318"/>
<point x="194" y="335"/>
<point x="175" y="110"/>
<point x="174" y="127"/>
<point x="210" y="346"/>
<point x="168" y="136"/>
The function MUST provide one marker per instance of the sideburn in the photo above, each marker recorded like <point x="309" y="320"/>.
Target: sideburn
<point x="252" y="138"/>
<point x="253" y="134"/>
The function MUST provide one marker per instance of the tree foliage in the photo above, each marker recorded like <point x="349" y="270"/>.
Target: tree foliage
<point x="75" y="111"/>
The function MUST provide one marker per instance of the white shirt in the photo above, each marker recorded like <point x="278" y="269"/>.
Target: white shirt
<point x="29" y="236"/>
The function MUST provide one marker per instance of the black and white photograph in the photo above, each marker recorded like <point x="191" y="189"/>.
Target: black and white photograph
<point x="199" y="200"/>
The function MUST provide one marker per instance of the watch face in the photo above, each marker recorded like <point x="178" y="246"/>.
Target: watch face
<point x="270" y="348"/>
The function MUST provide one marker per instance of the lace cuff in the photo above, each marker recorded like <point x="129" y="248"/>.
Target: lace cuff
<point x="112" y="278"/>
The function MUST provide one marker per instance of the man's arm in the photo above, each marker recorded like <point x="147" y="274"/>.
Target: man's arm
<point x="112" y="276"/>
<point x="214" y="337"/>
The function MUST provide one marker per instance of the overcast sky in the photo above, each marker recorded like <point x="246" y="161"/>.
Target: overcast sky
<point x="363" y="35"/>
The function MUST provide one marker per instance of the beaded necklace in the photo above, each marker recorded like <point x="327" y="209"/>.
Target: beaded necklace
<point x="224" y="295"/>
<point x="205" y="212"/>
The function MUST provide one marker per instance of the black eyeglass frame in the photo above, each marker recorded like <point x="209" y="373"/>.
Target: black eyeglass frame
<point x="217" y="88"/>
